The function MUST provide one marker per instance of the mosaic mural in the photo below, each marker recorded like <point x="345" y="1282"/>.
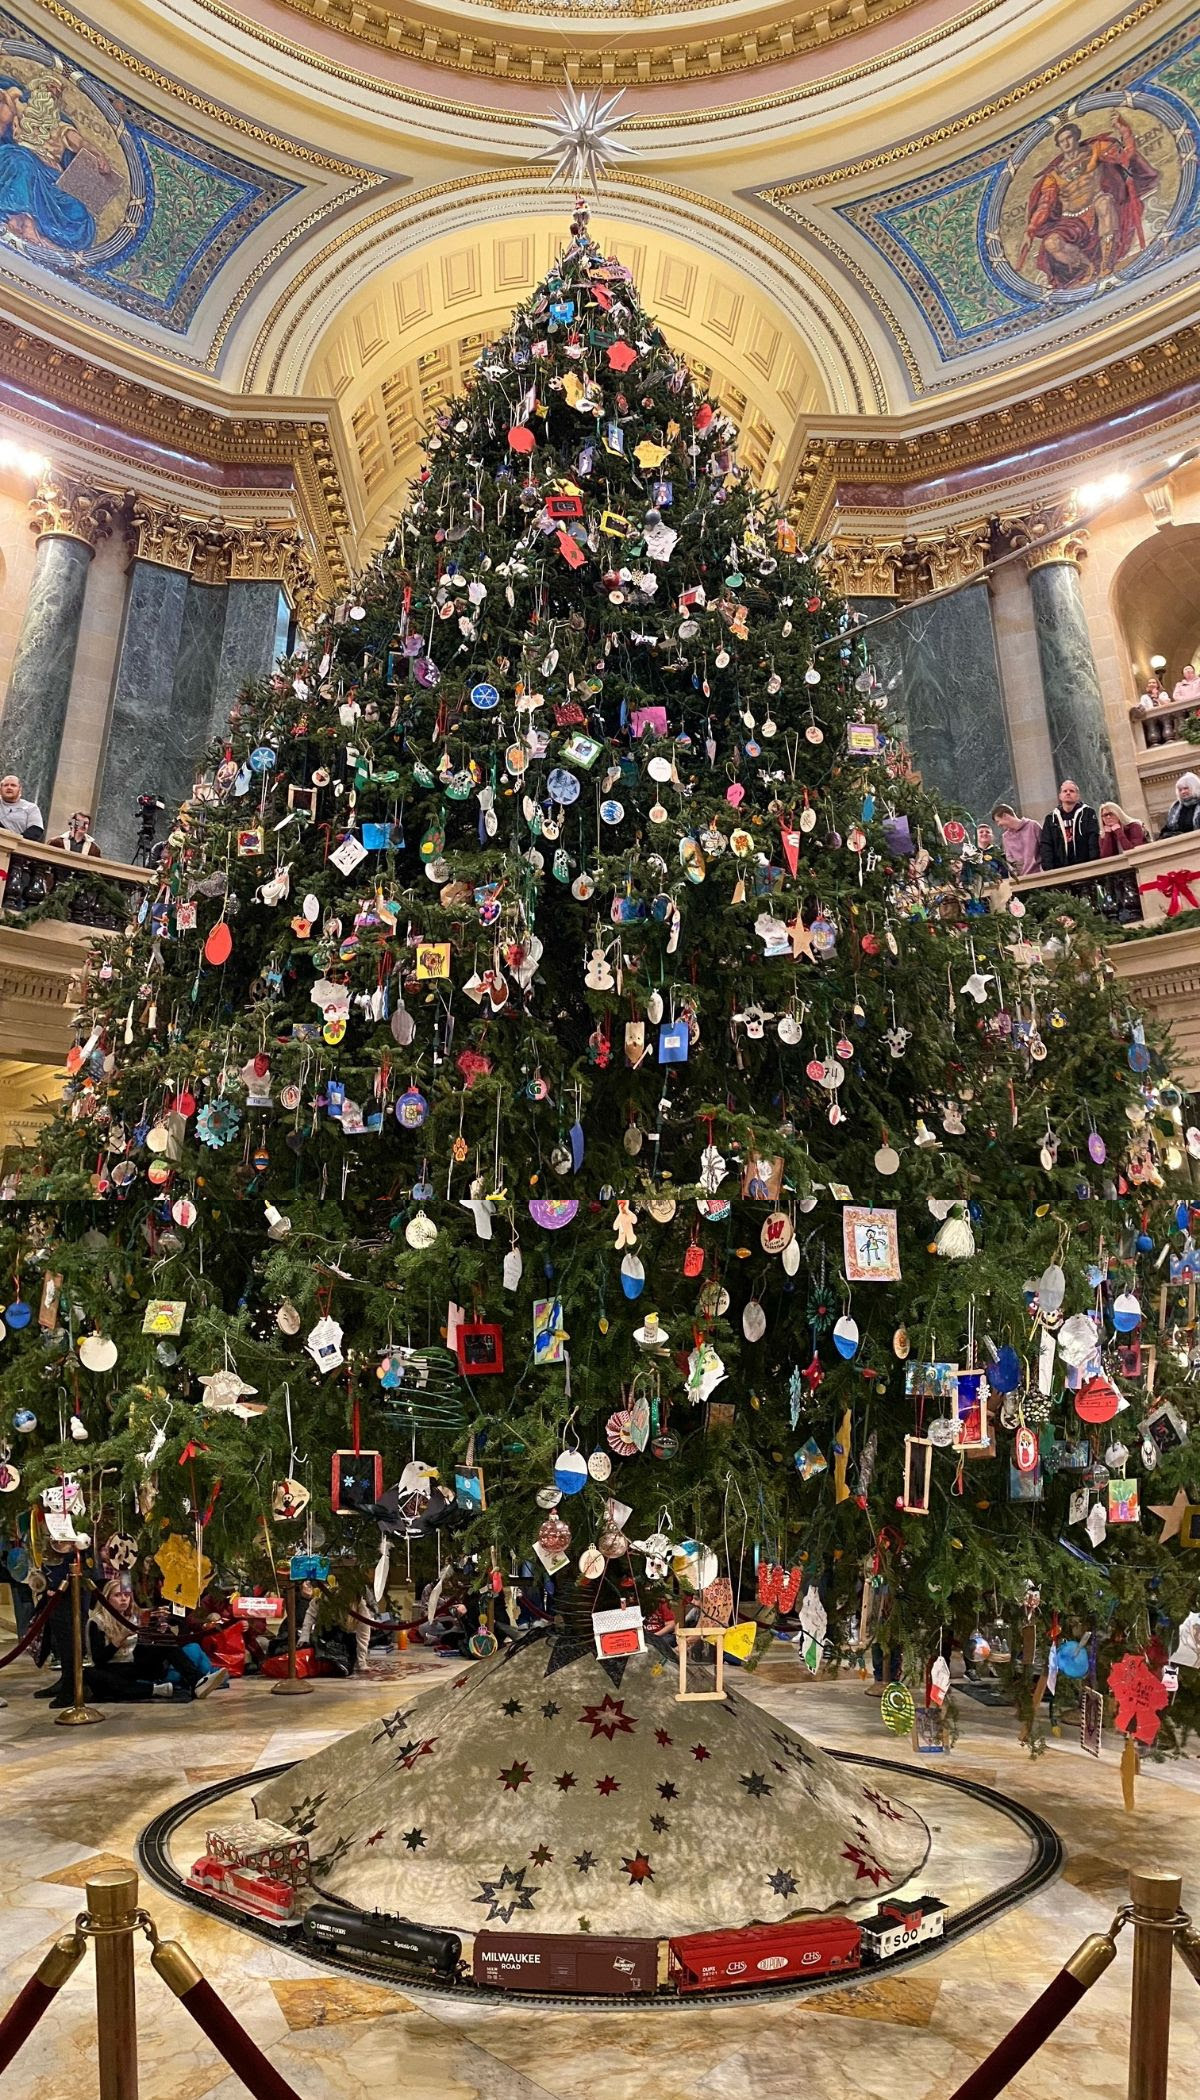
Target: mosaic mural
<point x="1103" y="191"/>
<point x="107" y="193"/>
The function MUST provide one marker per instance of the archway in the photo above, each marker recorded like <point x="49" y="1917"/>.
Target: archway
<point x="1156" y="600"/>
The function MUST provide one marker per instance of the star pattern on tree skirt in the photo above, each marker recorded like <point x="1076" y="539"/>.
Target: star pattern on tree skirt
<point x="783" y="1883"/>
<point x="608" y="1785"/>
<point x="638" y="1869"/>
<point x="659" y="1824"/>
<point x="608" y="1719"/>
<point x="392" y="1724"/>
<point x="415" y="1840"/>
<point x="375" y="1839"/>
<point x="755" y="1784"/>
<point x="506" y="1894"/>
<point x="668" y="1789"/>
<point x="302" y="1816"/>
<point x="550" y="1711"/>
<point x="585" y="1861"/>
<point x="700" y="1753"/>
<point x="511" y="1707"/>
<point x="866" y="1866"/>
<point x="409" y="1752"/>
<point x="663" y="1740"/>
<point x="565" y="1781"/>
<point x="541" y="1856"/>
<point x="518" y="1774"/>
<point x="792" y="1747"/>
<point x="882" y="1806"/>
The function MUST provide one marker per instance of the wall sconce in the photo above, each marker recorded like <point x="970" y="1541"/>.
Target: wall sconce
<point x="1158" y="663"/>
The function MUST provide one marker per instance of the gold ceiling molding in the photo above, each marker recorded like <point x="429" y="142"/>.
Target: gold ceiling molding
<point x="908" y="565"/>
<point x="692" y="209"/>
<point x="908" y="149"/>
<point x="901" y="460"/>
<point x="302" y="443"/>
<point x="802" y="92"/>
<point x="476" y="48"/>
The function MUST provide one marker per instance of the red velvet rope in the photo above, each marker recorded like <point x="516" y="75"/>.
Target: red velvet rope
<point x="22" y="2017"/>
<point x="1024" y="2040"/>
<point x="33" y="1629"/>
<point x="230" y="2040"/>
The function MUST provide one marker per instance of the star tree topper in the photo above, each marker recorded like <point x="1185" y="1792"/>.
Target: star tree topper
<point x="583" y="141"/>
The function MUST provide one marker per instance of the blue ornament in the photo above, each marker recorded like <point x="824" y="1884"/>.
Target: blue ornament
<point x="1073" y="1659"/>
<point x="18" y="1314"/>
<point x="484" y="697"/>
<point x="262" y="759"/>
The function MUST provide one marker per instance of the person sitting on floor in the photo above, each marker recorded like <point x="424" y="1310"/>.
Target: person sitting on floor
<point x="1020" y="839"/>
<point x="1118" y="833"/>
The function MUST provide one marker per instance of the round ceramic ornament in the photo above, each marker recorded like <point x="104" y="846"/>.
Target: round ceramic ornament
<point x="788" y="1029"/>
<point x="19" y="1314"/>
<point x="661" y="1209"/>
<point x="777" y="1232"/>
<point x="97" y="1352"/>
<point x="592" y="1564"/>
<point x="1097" y="1400"/>
<point x="846" y="1337"/>
<point x="485" y="697"/>
<point x="570" y="1472"/>
<point x="887" y="1160"/>
<point x="1126" y="1313"/>
<point x="599" y="1465"/>
<point x="158" y="1137"/>
<point x="754" y="1321"/>
<point x="420" y="1232"/>
<point x="1097" y="1149"/>
<point x="1004" y="1373"/>
<point x="633" y="1276"/>
<point x="411" y="1108"/>
<point x="563" y="786"/>
<point x="713" y="1302"/>
<point x="548" y="1497"/>
<point x="790" y="1259"/>
<point x="10" y="1478"/>
<point x="1073" y="1659"/>
<point x="943" y="1431"/>
<point x="25" y="1420"/>
<point x="1052" y="1288"/>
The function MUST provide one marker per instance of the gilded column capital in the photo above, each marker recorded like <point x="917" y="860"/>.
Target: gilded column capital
<point x="859" y="569"/>
<point x="162" y="535"/>
<point x="263" y="552"/>
<point x="66" y="509"/>
<point x="910" y="567"/>
<point x="1068" y="550"/>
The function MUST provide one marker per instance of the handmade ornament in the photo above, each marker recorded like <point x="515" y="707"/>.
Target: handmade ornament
<point x="870" y="1245"/>
<point x="185" y="1570"/>
<point x="1141" y="1697"/>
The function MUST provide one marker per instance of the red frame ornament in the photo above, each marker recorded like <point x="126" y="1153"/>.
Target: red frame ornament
<point x="479" y="1346"/>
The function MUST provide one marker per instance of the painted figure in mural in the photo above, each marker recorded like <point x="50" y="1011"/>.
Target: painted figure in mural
<point x="38" y="147"/>
<point x="1085" y="207"/>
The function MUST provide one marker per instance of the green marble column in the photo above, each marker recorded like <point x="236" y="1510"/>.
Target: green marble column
<point x="39" y="688"/>
<point x="1074" y="703"/>
<point x="249" y="644"/>
<point x="150" y="749"/>
<point x="939" y="659"/>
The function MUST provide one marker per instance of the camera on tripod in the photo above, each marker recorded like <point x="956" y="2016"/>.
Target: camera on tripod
<point x="148" y="807"/>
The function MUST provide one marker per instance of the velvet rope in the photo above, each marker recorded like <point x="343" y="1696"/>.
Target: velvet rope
<point x="230" y="2040"/>
<point x="33" y="1629"/>
<point x="1024" y="2040"/>
<point x="32" y="2000"/>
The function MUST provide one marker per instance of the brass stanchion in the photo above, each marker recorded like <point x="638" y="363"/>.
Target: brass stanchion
<point x="1156" y="1899"/>
<point x="291" y="1683"/>
<point x="1187" y="1944"/>
<point x="78" y="1714"/>
<point x="112" y="1901"/>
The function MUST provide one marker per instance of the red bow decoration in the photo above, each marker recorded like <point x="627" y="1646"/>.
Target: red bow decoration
<point x="1175" y="885"/>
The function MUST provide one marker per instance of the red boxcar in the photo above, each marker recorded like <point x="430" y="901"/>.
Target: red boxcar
<point x="553" y="1961"/>
<point x="720" y="1961"/>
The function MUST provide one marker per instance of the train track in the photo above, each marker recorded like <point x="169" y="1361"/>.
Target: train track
<point x="155" y="1858"/>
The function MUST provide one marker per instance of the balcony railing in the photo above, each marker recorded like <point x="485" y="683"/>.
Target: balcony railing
<point x="30" y="873"/>
<point x="1161" y="725"/>
<point x="1137" y="888"/>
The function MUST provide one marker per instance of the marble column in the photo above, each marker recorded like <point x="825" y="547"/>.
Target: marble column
<point x="148" y="750"/>
<point x="196" y="669"/>
<point x="946" y="697"/>
<point x="69" y="518"/>
<point x="1074" y="704"/>
<point x="248" y="644"/>
<point x="1021" y="681"/>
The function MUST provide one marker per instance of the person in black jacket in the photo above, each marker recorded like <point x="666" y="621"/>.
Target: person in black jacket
<point x="1184" y="813"/>
<point x="1071" y="832"/>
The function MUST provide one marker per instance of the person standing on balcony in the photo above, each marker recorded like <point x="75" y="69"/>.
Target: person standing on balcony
<point x="1118" y="833"/>
<point x="77" y="838"/>
<point x="1187" y="688"/>
<point x="17" y="813"/>
<point x="1020" y="841"/>
<point x="1184" y="813"/>
<point x="1154" y="696"/>
<point x="1071" y="832"/>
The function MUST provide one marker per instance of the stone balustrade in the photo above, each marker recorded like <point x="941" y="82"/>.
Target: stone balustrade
<point x="41" y="965"/>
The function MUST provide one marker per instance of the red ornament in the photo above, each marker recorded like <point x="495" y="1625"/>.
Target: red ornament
<point x="1140" y="1697"/>
<point x="621" y="356"/>
<point x="1097" y="1399"/>
<point x="812" y="605"/>
<point x="521" y="439"/>
<point x="479" y="1346"/>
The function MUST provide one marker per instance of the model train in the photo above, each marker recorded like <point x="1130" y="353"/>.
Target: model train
<point x="257" y="1868"/>
<point x="595" y="1965"/>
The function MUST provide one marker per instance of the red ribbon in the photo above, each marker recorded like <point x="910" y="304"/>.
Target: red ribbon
<point x="1176" y="884"/>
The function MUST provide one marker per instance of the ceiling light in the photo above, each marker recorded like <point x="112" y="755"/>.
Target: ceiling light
<point x="35" y="464"/>
<point x="1095" y="495"/>
<point x="1158" y="663"/>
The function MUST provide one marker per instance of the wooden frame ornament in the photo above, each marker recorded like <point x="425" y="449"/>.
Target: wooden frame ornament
<point x="684" y="1637"/>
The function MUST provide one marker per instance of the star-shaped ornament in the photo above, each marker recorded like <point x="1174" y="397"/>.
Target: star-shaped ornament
<point x="583" y="136"/>
<point x="620" y="356"/>
<point x="1171" y="1514"/>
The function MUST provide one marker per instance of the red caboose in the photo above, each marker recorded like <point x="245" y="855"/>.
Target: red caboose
<point x="758" y="1954"/>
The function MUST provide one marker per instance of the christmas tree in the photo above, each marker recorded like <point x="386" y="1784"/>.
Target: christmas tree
<point x="564" y="1048"/>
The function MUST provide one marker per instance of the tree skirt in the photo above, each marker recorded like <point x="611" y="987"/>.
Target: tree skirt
<point x="549" y="1791"/>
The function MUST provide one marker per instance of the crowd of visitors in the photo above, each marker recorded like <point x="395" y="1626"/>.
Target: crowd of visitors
<point x="1074" y="833"/>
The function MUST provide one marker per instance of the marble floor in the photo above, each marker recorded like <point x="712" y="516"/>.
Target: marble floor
<point x="73" y="1800"/>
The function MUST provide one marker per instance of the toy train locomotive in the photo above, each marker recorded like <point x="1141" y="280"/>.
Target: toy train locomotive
<point x="260" y="1869"/>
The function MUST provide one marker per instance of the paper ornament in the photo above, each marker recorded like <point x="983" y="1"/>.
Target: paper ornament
<point x="324" y="1344"/>
<point x="185" y="1570"/>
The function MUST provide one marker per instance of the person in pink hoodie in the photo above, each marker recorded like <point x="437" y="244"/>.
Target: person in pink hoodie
<point x="1020" y="839"/>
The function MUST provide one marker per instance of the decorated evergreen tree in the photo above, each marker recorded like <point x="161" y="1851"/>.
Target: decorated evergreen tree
<point x="562" y="1045"/>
